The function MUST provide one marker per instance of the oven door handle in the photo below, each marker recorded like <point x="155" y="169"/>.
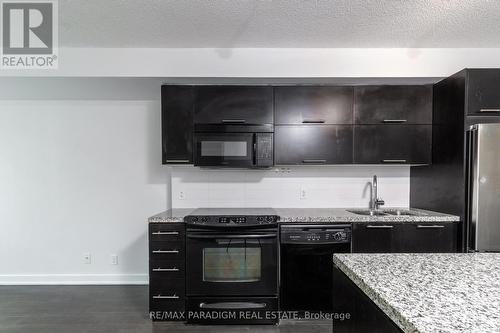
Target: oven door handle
<point x="233" y="305"/>
<point x="214" y="236"/>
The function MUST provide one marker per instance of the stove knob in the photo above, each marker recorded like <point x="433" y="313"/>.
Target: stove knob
<point x="194" y="219"/>
<point x="260" y="219"/>
<point x="337" y="236"/>
<point x="204" y="219"/>
<point x="269" y="219"/>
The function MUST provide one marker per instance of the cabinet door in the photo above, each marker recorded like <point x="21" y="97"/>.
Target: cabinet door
<point x="234" y="105"/>
<point x="313" y="144"/>
<point x="483" y="95"/>
<point x="393" y="104"/>
<point x="374" y="237"/>
<point x="313" y="104"/>
<point x="427" y="237"/>
<point x="403" y="144"/>
<point x="177" y="124"/>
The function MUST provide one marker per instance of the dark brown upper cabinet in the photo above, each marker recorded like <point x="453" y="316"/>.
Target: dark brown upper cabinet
<point x="392" y="144"/>
<point x="234" y="105"/>
<point x="393" y="105"/>
<point x="483" y="92"/>
<point x="177" y="104"/>
<point x="313" y="144"/>
<point x="313" y="104"/>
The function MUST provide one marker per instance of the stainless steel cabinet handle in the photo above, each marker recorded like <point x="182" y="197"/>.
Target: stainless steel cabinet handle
<point x="165" y="297"/>
<point x="178" y="161"/>
<point x="165" y="233"/>
<point x="371" y="226"/>
<point x="165" y="251"/>
<point x="393" y="161"/>
<point x="432" y="226"/>
<point x="313" y="121"/>
<point x="489" y="110"/>
<point x="396" y="121"/>
<point x="314" y="161"/>
<point x="165" y="269"/>
<point x="233" y="121"/>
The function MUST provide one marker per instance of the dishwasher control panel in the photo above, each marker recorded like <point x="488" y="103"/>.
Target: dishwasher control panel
<point x="323" y="234"/>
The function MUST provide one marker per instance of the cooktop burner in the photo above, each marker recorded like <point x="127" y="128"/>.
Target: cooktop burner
<point x="232" y="217"/>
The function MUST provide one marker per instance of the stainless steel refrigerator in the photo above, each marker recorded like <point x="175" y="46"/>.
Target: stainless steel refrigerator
<point x="483" y="218"/>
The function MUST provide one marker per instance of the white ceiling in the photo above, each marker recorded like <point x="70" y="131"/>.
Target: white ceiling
<point x="279" y="23"/>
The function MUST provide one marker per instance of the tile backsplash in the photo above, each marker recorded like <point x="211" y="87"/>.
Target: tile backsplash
<point x="305" y="186"/>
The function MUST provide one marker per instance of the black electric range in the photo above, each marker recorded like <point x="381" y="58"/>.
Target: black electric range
<point x="232" y="265"/>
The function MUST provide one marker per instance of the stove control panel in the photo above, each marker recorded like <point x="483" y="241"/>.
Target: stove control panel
<point x="315" y="234"/>
<point x="226" y="220"/>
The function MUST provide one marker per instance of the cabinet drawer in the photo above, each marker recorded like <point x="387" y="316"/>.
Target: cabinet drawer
<point x="174" y="268"/>
<point x="166" y="250"/>
<point x="393" y="104"/>
<point x="483" y="94"/>
<point x="167" y="309"/>
<point x="313" y="144"/>
<point x="166" y="232"/>
<point x="386" y="144"/>
<point x="234" y="105"/>
<point x="159" y="285"/>
<point x="313" y="104"/>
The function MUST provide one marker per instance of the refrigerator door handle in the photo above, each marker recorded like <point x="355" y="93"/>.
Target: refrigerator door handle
<point x="472" y="204"/>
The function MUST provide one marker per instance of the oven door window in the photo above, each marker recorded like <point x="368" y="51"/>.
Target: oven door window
<point x="224" y="149"/>
<point x="232" y="264"/>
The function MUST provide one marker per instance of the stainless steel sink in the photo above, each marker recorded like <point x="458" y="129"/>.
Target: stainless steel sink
<point x="367" y="212"/>
<point x="385" y="212"/>
<point x="403" y="212"/>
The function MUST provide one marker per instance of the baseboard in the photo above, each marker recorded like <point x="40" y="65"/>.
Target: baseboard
<point x="74" y="279"/>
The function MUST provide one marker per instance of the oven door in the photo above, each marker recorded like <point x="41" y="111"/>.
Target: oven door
<point x="224" y="149"/>
<point x="231" y="264"/>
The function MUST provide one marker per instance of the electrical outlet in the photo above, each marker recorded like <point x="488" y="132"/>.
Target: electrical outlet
<point x="303" y="194"/>
<point x="87" y="258"/>
<point x="182" y="195"/>
<point x="114" y="259"/>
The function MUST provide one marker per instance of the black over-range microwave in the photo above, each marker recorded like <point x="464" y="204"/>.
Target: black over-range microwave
<point x="233" y="145"/>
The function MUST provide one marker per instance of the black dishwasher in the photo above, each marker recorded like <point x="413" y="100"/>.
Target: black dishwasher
<point x="307" y="265"/>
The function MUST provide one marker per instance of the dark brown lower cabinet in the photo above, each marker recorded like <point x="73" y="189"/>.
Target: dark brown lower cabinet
<point x="313" y="144"/>
<point x="355" y="312"/>
<point x="392" y="144"/>
<point x="425" y="237"/>
<point x="373" y="237"/>
<point x="428" y="238"/>
<point x="167" y="263"/>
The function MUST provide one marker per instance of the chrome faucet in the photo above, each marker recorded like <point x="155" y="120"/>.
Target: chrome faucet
<point x="375" y="202"/>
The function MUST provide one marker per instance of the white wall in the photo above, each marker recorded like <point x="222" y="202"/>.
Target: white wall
<point x="80" y="171"/>
<point x="266" y="62"/>
<point x="307" y="186"/>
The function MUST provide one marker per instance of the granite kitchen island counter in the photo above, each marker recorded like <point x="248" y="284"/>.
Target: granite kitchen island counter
<point x="430" y="292"/>
<point x="321" y="215"/>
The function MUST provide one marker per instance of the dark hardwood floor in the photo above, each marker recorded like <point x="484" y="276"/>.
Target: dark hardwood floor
<point x="93" y="309"/>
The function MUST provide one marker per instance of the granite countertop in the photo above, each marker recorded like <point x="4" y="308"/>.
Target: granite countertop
<point x="455" y="292"/>
<point x="321" y="215"/>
